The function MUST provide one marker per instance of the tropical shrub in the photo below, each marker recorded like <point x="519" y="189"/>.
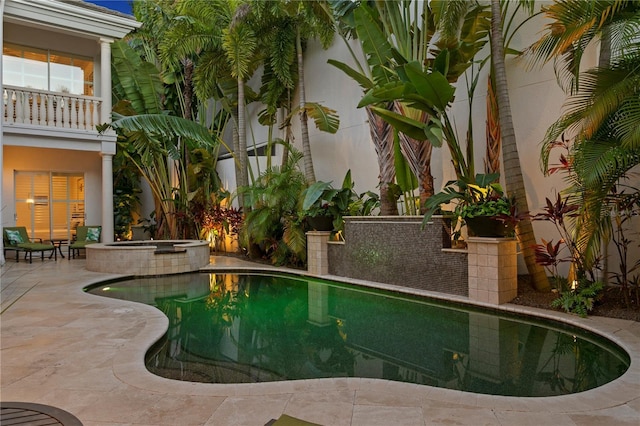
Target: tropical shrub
<point x="581" y="299"/>
<point x="217" y="222"/>
<point x="273" y="229"/>
<point x="481" y="196"/>
<point x="321" y="199"/>
<point x="580" y="289"/>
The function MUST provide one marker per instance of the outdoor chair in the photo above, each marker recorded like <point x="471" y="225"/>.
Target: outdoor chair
<point x="85" y="235"/>
<point x="16" y="238"/>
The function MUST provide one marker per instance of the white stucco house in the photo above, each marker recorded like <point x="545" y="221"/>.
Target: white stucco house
<point x="56" y="85"/>
<point x="57" y="169"/>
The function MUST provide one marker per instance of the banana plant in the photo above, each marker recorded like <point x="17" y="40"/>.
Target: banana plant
<point x="394" y="34"/>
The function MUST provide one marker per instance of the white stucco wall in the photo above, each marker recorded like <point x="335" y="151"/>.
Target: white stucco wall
<point x="536" y="102"/>
<point x="351" y="147"/>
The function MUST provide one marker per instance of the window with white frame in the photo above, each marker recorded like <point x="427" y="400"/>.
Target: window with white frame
<point x="49" y="204"/>
<point x="48" y="70"/>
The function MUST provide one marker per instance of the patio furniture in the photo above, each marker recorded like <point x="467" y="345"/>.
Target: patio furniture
<point x="85" y="235"/>
<point x="57" y="242"/>
<point x="16" y="238"/>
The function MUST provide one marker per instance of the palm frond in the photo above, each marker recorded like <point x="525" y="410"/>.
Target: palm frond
<point x="239" y="44"/>
<point x="374" y="44"/>
<point x="600" y="164"/>
<point x="283" y="54"/>
<point x="449" y="16"/>
<point x="136" y="80"/>
<point x="169" y="127"/>
<point x="325" y="119"/>
<point x="574" y="25"/>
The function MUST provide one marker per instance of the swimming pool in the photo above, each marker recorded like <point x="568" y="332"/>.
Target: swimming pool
<point x="238" y="328"/>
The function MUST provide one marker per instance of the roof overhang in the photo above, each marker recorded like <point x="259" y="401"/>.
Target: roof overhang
<point x="70" y="17"/>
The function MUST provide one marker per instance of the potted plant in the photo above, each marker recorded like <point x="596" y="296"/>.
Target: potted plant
<point x="319" y="216"/>
<point x="481" y="204"/>
<point x="323" y="206"/>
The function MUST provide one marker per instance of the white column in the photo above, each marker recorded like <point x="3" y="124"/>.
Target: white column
<point x="1" y="131"/>
<point x="493" y="269"/>
<point x="318" y="252"/>
<point x="318" y="304"/>
<point x="105" y="80"/>
<point x="108" y="148"/>
<point x="107" y="197"/>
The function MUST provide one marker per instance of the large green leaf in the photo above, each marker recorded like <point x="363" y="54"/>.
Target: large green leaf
<point x="374" y="43"/>
<point x="136" y="80"/>
<point x="347" y="182"/>
<point x="313" y="193"/>
<point x="432" y="86"/>
<point x="385" y="93"/>
<point x="364" y="81"/>
<point x="169" y="128"/>
<point x="405" y="178"/>
<point x="410" y="127"/>
<point x="434" y="132"/>
<point x="324" y="118"/>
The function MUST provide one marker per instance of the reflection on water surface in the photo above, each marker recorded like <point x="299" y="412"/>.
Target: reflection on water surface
<point x="234" y="328"/>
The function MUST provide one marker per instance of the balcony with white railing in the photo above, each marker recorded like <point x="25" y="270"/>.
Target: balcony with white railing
<point x="24" y="106"/>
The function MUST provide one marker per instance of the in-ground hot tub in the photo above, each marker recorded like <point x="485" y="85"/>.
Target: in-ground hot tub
<point x="153" y="257"/>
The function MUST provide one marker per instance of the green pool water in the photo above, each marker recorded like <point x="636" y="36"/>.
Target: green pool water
<point x="239" y="328"/>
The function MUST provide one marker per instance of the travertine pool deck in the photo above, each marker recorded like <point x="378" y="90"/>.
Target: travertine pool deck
<point x="84" y="354"/>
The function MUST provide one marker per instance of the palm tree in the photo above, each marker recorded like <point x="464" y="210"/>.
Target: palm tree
<point x="512" y="170"/>
<point x="219" y="32"/>
<point x="239" y="44"/>
<point x="493" y="139"/>
<point x="602" y="109"/>
<point x="350" y="17"/>
<point x="395" y="33"/>
<point x="308" y="19"/>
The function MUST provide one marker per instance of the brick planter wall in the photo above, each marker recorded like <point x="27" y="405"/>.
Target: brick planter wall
<point x="396" y="250"/>
<point x="493" y="270"/>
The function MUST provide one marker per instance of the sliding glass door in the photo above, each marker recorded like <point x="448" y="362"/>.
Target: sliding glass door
<point x="49" y="204"/>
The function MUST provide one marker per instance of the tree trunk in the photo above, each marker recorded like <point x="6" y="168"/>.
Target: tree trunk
<point x="418" y="155"/>
<point x="285" y="147"/>
<point x="309" y="173"/>
<point x="512" y="170"/>
<point x="242" y="137"/>
<point x="604" y="60"/>
<point x="492" y="162"/>
<point x="188" y="102"/>
<point x="382" y="137"/>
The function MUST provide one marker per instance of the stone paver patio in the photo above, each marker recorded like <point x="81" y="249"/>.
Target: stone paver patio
<point x="85" y="354"/>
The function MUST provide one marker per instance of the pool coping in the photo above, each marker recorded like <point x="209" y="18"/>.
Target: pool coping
<point x="128" y="364"/>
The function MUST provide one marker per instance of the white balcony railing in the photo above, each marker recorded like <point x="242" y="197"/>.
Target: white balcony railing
<point x="51" y="109"/>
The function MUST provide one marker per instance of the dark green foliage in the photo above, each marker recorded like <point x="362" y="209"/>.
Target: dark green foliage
<point x="273" y="229"/>
<point x="581" y="299"/>
<point x="321" y="199"/>
<point x="480" y="196"/>
<point x="126" y="192"/>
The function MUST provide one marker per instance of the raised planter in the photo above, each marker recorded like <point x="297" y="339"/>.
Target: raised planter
<point x="493" y="269"/>
<point x="320" y="223"/>
<point x="488" y="226"/>
<point x="399" y="250"/>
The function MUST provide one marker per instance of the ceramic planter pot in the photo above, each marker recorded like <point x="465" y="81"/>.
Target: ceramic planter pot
<point x="320" y="223"/>
<point x="488" y="226"/>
